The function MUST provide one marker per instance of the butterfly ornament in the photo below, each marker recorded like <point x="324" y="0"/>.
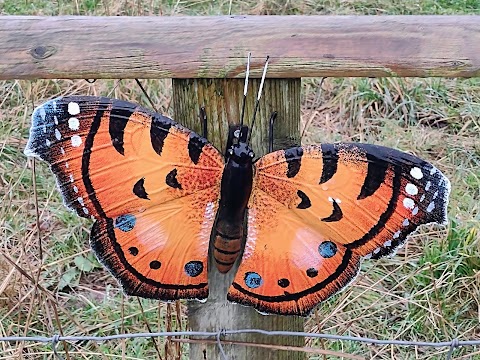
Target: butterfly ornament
<point x="300" y="220"/>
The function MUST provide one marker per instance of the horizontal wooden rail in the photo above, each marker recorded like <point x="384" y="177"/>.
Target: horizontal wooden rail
<point x="216" y="47"/>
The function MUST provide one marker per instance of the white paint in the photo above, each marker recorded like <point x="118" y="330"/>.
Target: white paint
<point x="338" y="201"/>
<point x="42" y="113"/>
<point x="85" y="210"/>
<point x="396" y="235"/>
<point x="433" y="170"/>
<point x="416" y="173"/>
<point x="75" y="189"/>
<point x="435" y="194"/>
<point x="408" y="203"/>
<point x="54" y="105"/>
<point x="411" y="189"/>
<point x="67" y="165"/>
<point x="427" y="185"/>
<point x="330" y="199"/>
<point x="422" y="198"/>
<point x="73" y="123"/>
<point x="76" y="141"/>
<point x="252" y="233"/>
<point x="376" y="251"/>
<point x="388" y="243"/>
<point x="55" y="119"/>
<point x="415" y="210"/>
<point x="57" y="134"/>
<point x="71" y="178"/>
<point x="62" y="150"/>
<point x="430" y="207"/>
<point x="368" y="256"/>
<point x="44" y="129"/>
<point x="406" y="222"/>
<point x="73" y="108"/>
<point x="47" y="142"/>
<point x="80" y="200"/>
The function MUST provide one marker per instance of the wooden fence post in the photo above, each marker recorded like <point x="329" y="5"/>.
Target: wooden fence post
<point x="222" y="99"/>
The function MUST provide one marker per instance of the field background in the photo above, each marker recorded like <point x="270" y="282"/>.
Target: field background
<point x="430" y="291"/>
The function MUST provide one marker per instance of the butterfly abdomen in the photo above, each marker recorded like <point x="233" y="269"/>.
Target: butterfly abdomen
<point x="236" y="187"/>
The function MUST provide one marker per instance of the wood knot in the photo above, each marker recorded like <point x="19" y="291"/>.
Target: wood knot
<point x="42" y="52"/>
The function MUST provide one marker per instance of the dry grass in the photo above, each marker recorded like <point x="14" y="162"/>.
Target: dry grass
<point x="430" y="291"/>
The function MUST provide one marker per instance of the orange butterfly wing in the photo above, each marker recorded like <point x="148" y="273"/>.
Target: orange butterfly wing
<point x="316" y="211"/>
<point x="152" y="186"/>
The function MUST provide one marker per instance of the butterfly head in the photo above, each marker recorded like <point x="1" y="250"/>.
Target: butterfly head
<point x="241" y="153"/>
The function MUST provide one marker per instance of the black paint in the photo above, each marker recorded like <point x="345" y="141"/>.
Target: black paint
<point x="195" y="146"/>
<point x="119" y="115"/>
<point x="155" y="265"/>
<point x="283" y="283"/>
<point x="336" y="215"/>
<point x="305" y="203"/>
<point x="171" y="180"/>
<point x="330" y="162"/>
<point x="159" y="131"/>
<point x="139" y="189"/>
<point x="133" y="251"/>
<point x="376" y="172"/>
<point x="293" y="156"/>
<point x="312" y="272"/>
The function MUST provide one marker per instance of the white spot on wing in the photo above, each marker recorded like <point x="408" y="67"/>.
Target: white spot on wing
<point x="67" y="165"/>
<point x="416" y="173"/>
<point x="62" y="150"/>
<point x="80" y="200"/>
<point x="47" y="142"/>
<point x="411" y="189"/>
<point x="57" y="134"/>
<point x="73" y="108"/>
<point x="76" y="141"/>
<point x="388" y="243"/>
<point x="75" y="189"/>
<point x="406" y="222"/>
<point x="427" y="186"/>
<point x="73" y="123"/>
<point x="415" y="210"/>
<point x="85" y="210"/>
<point x="71" y="178"/>
<point x="42" y="113"/>
<point x="422" y="198"/>
<point x="396" y="235"/>
<point x="368" y="256"/>
<point x="376" y="251"/>
<point x="433" y="170"/>
<point x="430" y="207"/>
<point x="408" y="203"/>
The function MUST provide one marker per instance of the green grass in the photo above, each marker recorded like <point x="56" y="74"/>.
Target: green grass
<point x="428" y="292"/>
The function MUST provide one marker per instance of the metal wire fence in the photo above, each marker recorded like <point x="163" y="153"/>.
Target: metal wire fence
<point x="221" y="336"/>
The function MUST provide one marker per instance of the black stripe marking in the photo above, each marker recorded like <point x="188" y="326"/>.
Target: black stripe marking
<point x="226" y="252"/>
<point x="224" y="263"/>
<point x="119" y="116"/>
<point x="87" y="152"/>
<point x="319" y="286"/>
<point x="293" y="156"/>
<point x="195" y="146"/>
<point x="96" y="243"/>
<point x="376" y="173"/>
<point x="227" y="237"/>
<point x="306" y="203"/>
<point x="171" y="180"/>
<point x="336" y="215"/>
<point x="396" y="189"/>
<point x="330" y="162"/>
<point x="159" y="131"/>
<point x="139" y="189"/>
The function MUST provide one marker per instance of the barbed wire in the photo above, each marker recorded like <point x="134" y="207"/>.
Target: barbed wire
<point x="220" y="335"/>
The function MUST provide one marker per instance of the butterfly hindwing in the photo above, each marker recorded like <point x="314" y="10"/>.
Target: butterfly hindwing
<point x="316" y="211"/>
<point x="140" y="175"/>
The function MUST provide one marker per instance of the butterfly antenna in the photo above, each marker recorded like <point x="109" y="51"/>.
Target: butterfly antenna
<point x="259" y="95"/>
<point x="145" y="93"/>
<point x="245" y="88"/>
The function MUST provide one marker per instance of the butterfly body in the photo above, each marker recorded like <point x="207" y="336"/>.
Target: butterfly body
<point x="236" y="187"/>
<point x="303" y="218"/>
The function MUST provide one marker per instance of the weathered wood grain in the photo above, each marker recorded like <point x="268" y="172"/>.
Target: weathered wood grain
<point x="222" y="99"/>
<point x="215" y="47"/>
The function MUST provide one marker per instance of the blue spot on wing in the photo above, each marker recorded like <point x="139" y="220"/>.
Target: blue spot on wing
<point x="253" y="280"/>
<point x="193" y="268"/>
<point x="327" y="249"/>
<point x="125" y="222"/>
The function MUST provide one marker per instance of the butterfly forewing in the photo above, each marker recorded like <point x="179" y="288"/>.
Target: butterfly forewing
<point x="315" y="211"/>
<point x="148" y="181"/>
